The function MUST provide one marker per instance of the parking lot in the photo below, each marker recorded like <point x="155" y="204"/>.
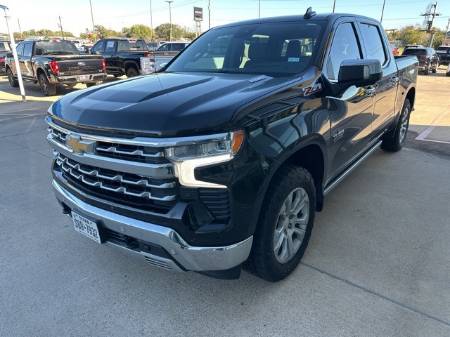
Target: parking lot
<point x="378" y="263"/>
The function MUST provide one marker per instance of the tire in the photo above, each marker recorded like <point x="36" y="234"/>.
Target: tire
<point x="132" y="71"/>
<point x="47" y="88"/>
<point x="265" y="260"/>
<point x="11" y="79"/>
<point x="434" y="70"/>
<point x="394" y="139"/>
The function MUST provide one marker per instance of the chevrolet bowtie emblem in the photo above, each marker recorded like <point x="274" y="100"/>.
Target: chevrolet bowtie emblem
<point x="77" y="145"/>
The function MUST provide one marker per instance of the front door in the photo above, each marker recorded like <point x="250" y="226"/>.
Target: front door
<point x="350" y="108"/>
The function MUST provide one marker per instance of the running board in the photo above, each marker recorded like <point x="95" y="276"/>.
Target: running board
<point x="350" y="169"/>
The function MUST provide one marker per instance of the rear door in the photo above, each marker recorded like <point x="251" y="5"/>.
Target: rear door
<point x="386" y="89"/>
<point x="25" y="60"/>
<point x="11" y="61"/>
<point x="350" y="109"/>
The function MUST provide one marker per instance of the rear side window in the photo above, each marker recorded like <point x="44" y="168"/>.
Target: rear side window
<point x="344" y="47"/>
<point x="414" y="51"/>
<point x="373" y="43"/>
<point x="98" y="48"/>
<point x="20" y="49"/>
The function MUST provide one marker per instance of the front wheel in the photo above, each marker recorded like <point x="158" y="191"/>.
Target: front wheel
<point x="285" y="226"/>
<point x="132" y="71"/>
<point x="394" y="139"/>
<point x="11" y="79"/>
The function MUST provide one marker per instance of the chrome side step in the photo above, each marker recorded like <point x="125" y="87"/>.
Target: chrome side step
<point x="336" y="182"/>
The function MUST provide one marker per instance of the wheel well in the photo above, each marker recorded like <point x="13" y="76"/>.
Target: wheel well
<point x="411" y="95"/>
<point x="129" y="65"/>
<point x="311" y="158"/>
<point x="40" y="71"/>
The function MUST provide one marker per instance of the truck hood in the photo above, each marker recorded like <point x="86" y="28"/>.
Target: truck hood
<point x="165" y="104"/>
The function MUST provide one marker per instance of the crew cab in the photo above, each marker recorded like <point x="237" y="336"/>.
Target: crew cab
<point x="224" y="157"/>
<point x="124" y="56"/>
<point x="5" y="49"/>
<point x="428" y="59"/>
<point x="54" y="62"/>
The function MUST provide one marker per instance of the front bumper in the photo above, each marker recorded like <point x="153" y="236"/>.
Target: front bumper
<point x="181" y="255"/>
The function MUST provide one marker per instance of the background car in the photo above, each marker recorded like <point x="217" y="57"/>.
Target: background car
<point x="443" y="53"/>
<point x="428" y="59"/>
<point x="4" y="50"/>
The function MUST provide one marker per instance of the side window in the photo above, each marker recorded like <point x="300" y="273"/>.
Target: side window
<point x="99" y="46"/>
<point x="20" y="49"/>
<point x="373" y="43"/>
<point x="344" y="47"/>
<point x="164" y="47"/>
<point x="28" y="49"/>
<point x="110" y="46"/>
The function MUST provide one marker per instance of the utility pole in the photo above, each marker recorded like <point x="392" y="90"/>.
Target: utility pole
<point x="20" y="29"/>
<point x="92" y="17"/>
<point x="151" y="20"/>
<point x="334" y="5"/>
<point x="14" y="50"/>
<point x="60" y="26"/>
<point x="170" y="18"/>
<point x="382" y="11"/>
<point x="209" y="14"/>
<point x="429" y="15"/>
<point x="259" y="8"/>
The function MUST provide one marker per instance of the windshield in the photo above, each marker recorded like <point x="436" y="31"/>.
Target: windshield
<point x="414" y="52"/>
<point x="283" y="48"/>
<point x="4" y="46"/>
<point x="56" y="47"/>
<point x="443" y="49"/>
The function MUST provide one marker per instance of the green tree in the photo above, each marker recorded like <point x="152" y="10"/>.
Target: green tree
<point x="416" y="35"/>
<point x="163" y="32"/>
<point x="138" y="31"/>
<point x="102" y="32"/>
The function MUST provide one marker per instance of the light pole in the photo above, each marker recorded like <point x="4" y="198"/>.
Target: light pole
<point x="259" y="9"/>
<point x="209" y="14"/>
<point x="334" y="5"/>
<point x="61" y="27"/>
<point x="16" y="59"/>
<point x="151" y="20"/>
<point x="170" y="18"/>
<point x="92" y="17"/>
<point x="382" y="11"/>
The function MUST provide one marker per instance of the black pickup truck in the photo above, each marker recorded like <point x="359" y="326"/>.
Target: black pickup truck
<point x="124" y="56"/>
<point x="54" y="62"/>
<point x="224" y="157"/>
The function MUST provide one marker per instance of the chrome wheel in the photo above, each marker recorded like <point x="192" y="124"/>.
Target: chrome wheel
<point x="291" y="225"/>
<point x="404" y="123"/>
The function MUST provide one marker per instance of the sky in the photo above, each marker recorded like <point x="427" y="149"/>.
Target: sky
<point x="115" y="14"/>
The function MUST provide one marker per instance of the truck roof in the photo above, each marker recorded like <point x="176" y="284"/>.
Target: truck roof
<point x="291" y="18"/>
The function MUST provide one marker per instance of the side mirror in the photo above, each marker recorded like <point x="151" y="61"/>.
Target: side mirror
<point x="359" y="72"/>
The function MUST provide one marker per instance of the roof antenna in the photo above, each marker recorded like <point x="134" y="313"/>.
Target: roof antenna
<point x="309" y="13"/>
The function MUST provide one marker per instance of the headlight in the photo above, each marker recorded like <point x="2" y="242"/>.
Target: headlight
<point x="210" y="150"/>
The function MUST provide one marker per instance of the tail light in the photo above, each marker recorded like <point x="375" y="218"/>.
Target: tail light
<point x="146" y="53"/>
<point x="54" y="67"/>
<point x="103" y="64"/>
<point x="2" y="59"/>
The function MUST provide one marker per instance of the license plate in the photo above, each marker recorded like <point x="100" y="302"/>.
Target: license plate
<point x="83" y="78"/>
<point x="86" y="227"/>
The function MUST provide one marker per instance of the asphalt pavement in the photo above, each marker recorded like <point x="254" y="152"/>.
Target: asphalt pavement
<point x="378" y="263"/>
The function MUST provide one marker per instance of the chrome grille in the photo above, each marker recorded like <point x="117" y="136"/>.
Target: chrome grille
<point x="118" y="182"/>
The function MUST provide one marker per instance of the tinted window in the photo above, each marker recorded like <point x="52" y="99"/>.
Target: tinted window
<point x="272" y="48"/>
<point x="110" y="46"/>
<point x="99" y="47"/>
<point x="28" y="49"/>
<point x="344" y="47"/>
<point x="126" y="45"/>
<point x="56" y="48"/>
<point x="177" y="46"/>
<point x="443" y="50"/>
<point x="20" y="49"/>
<point x="373" y="43"/>
<point x="4" y="46"/>
<point x="164" y="47"/>
<point x="414" y="51"/>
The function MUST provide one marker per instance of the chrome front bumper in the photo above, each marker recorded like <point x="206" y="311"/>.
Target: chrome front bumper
<point x="189" y="257"/>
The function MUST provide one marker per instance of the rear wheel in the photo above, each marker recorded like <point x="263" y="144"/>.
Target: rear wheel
<point x="131" y="72"/>
<point x="393" y="140"/>
<point x="285" y="226"/>
<point x="47" y="88"/>
<point x="11" y="79"/>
